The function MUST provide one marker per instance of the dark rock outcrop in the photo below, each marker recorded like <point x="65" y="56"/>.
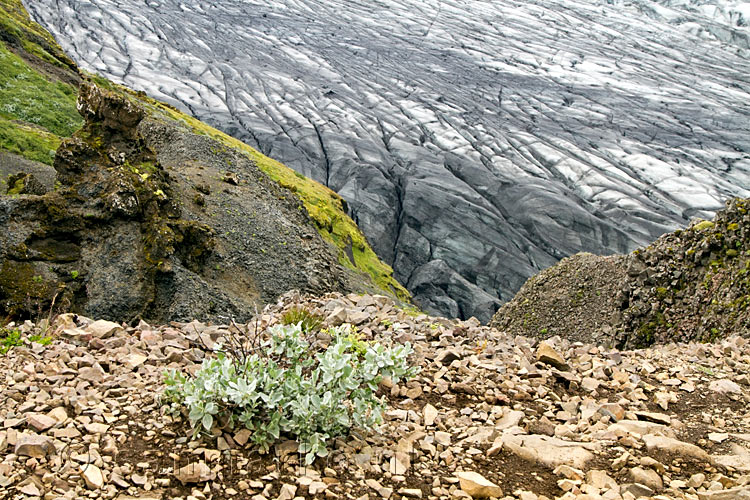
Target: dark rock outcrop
<point x="143" y="225"/>
<point x="692" y="284"/>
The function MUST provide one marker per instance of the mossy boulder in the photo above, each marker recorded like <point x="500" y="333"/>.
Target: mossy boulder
<point x="23" y="183"/>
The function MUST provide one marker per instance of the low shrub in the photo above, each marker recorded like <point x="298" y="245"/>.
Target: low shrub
<point x="309" y="322"/>
<point x="11" y="337"/>
<point x="286" y="386"/>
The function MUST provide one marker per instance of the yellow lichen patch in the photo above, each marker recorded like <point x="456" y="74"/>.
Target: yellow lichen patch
<point x="700" y="226"/>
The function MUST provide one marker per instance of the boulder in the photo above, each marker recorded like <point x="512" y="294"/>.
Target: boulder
<point x="549" y="451"/>
<point x="121" y="239"/>
<point x="547" y="354"/>
<point x="194" y="473"/>
<point x="34" y="445"/>
<point x="478" y="486"/>
<point x="675" y="447"/>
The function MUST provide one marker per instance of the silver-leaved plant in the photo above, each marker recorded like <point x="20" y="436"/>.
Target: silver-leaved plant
<point x="289" y="387"/>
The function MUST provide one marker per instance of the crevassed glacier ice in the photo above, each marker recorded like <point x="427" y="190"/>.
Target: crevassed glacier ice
<point x="475" y="141"/>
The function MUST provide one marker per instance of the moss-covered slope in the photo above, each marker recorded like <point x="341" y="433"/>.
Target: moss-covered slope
<point x="37" y="87"/>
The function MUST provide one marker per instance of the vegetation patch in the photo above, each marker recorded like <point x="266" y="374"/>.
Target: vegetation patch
<point x="281" y="384"/>
<point x="9" y="339"/>
<point x="28" y="96"/>
<point x="13" y="337"/>
<point x="35" y="112"/>
<point x="19" y="30"/>
<point x="30" y="142"/>
<point x="309" y="322"/>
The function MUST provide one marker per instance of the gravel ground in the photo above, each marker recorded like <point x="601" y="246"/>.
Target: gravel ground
<point x="489" y="415"/>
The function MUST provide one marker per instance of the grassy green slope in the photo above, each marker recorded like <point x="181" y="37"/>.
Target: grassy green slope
<point x="38" y="109"/>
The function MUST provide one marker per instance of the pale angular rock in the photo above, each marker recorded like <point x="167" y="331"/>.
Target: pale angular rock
<point x="482" y="436"/>
<point x="569" y="472"/>
<point x="40" y="423"/>
<point x="317" y="487"/>
<point x="287" y="492"/>
<point x="447" y="356"/>
<point x="337" y="317"/>
<point x="429" y="413"/>
<point x="443" y="438"/>
<point x="380" y="489"/>
<point x="410" y="492"/>
<point x="92" y="476"/>
<point x="496" y="447"/>
<point x="59" y="414"/>
<point x="549" y="356"/>
<point x="724" y="386"/>
<point x="600" y="479"/>
<point x="739" y="493"/>
<point x="590" y="384"/>
<point x="550" y="452"/>
<point x="613" y="410"/>
<point x="194" y="473"/>
<point x="657" y="418"/>
<point x="30" y="489"/>
<point x="637" y="427"/>
<point x="103" y="329"/>
<point x="96" y="428"/>
<point x="92" y="373"/>
<point x="696" y="480"/>
<point x="400" y="463"/>
<point x="637" y="490"/>
<point x="738" y="458"/>
<point x="674" y="446"/>
<point x="34" y="445"/>
<point x="134" y="360"/>
<point x="509" y="419"/>
<point x="477" y="485"/>
<point x="139" y="497"/>
<point x="242" y="436"/>
<point x="648" y="477"/>
<point x="718" y="437"/>
<point x="63" y="321"/>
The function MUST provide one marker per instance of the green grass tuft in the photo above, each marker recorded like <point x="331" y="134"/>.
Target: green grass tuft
<point x="19" y="30"/>
<point x="9" y="339"/>
<point x="30" y="142"/>
<point x="309" y="322"/>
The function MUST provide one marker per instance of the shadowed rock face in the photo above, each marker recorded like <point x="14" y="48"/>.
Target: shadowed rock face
<point x="475" y="142"/>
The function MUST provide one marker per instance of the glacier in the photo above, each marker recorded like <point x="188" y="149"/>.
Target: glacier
<point x="474" y="141"/>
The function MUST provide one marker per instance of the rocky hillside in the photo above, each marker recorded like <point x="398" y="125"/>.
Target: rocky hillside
<point x="691" y="284"/>
<point x="145" y="212"/>
<point x="490" y="415"/>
